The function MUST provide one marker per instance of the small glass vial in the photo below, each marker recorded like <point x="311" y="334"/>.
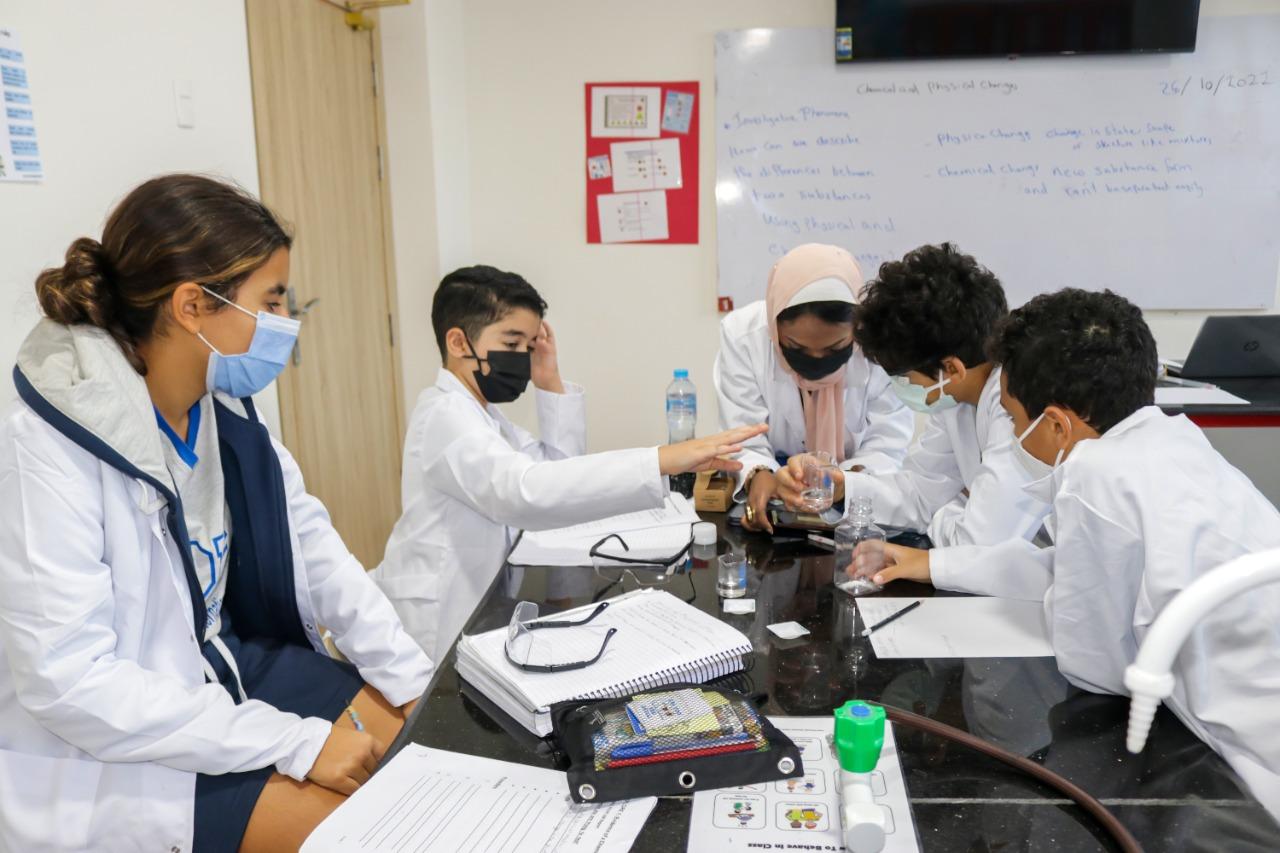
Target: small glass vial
<point x="859" y="549"/>
<point x="731" y="579"/>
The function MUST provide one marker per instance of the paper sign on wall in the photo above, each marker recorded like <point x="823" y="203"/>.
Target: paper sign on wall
<point x="677" y="112"/>
<point x="19" y="149"/>
<point x="646" y="165"/>
<point x="628" y="217"/>
<point x="626" y="111"/>
<point x="598" y="167"/>
<point x="642" y="141"/>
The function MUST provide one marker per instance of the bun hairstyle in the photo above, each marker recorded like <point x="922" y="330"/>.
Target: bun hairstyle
<point x="168" y="231"/>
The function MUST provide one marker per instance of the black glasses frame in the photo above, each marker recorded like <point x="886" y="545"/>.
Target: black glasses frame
<point x="539" y="624"/>
<point x="669" y="562"/>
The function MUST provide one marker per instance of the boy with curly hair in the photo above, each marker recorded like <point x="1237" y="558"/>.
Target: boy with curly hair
<point x="926" y="319"/>
<point x="1142" y="506"/>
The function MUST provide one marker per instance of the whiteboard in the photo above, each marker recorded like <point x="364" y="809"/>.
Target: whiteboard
<point x="1157" y="176"/>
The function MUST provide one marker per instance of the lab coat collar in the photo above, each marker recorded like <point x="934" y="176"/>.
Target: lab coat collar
<point x="78" y="373"/>
<point x="447" y="382"/>
<point x="1048" y="487"/>
<point x="1135" y="421"/>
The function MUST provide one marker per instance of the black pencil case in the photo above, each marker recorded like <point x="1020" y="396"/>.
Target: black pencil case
<point x="608" y="759"/>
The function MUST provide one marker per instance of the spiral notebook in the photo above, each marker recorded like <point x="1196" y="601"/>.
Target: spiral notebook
<point x="660" y="640"/>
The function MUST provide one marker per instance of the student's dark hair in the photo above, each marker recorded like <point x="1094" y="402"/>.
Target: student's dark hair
<point x="934" y="303"/>
<point x="474" y="297"/>
<point x="827" y="312"/>
<point x="168" y="231"/>
<point x="1086" y="351"/>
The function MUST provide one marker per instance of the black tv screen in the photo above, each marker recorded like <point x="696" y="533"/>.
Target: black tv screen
<point x="933" y="29"/>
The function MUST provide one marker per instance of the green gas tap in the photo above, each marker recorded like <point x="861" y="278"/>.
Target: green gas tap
<point x="859" y="738"/>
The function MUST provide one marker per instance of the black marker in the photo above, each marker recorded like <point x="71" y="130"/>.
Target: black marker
<point x="912" y="606"/>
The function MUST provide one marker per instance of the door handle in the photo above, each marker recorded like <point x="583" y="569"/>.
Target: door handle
<point x="291" y="298"/>
<point x="291" y="301"/>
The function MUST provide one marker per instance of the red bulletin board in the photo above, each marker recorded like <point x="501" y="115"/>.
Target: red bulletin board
<point x="682" y="203"/>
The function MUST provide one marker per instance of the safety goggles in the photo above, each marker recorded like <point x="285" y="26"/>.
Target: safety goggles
<point x="602" y="556"/>
<point x="535" y="654"/>
<point x="618" y="568"/>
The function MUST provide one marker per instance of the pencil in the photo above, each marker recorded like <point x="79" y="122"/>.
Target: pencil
<point x="355" y="718"/>
<point x="912" y="606"/>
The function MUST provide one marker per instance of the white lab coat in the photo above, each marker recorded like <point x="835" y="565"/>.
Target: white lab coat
<point x="105" y="716"/>
<point x="472" y="478"/>
<point x="965" y="447"/>
<point x="1139" y="514"/>
<point x="753" y="387"/>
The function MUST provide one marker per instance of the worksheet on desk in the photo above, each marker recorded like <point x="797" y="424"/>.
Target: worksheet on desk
<point x="801" y="813"/>
<point x="962" y="626"/>
<point x="429" y="799"/>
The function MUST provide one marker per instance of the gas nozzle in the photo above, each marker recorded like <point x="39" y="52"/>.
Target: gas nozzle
<point x="859" y="738"/>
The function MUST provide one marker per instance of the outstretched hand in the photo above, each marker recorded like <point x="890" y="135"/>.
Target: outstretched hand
<point x="709" y="453"/>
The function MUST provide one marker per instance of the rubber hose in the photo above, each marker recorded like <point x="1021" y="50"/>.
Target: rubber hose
<point x="1109" y="822"/>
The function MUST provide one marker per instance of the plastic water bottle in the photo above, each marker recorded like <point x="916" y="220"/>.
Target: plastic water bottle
<point x="858" y="529"/>
<point x="682" y="418"/>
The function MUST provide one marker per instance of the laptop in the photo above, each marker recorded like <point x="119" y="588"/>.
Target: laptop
<point x="1227" y="347"/>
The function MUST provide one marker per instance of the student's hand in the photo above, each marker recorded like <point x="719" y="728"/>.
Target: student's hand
<point x="902" y="563"/>
<point x="407" y="708"/>
<point x="544" y="367"/>
<point x="705" y="454"/>
<point x="762" y="488"/>
<point x="791" y="482"/>
<point x="347" y="760"/>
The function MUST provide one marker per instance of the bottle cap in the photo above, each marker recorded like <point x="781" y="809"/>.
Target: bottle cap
<point x="704" y="533"/>
<point x="859" y="735"/>
<point x="681" y="373"/>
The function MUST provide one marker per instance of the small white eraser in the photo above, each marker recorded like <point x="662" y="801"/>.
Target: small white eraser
<point x="788" y="630"/>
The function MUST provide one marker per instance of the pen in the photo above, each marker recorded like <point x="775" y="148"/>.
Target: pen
<point x="912" y="606"/>
<point x="355" y="718"/>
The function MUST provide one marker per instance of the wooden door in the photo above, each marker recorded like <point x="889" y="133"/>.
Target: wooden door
<point x="319" y="130"/>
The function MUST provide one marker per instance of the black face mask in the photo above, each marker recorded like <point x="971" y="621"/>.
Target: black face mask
<point x="816" y="368"/>
<point x="508" y="374"/>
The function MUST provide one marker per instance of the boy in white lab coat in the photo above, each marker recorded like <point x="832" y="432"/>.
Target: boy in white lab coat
<point x="1142" y="506"/>
<point x="471" y="478"/>
<point x="925" y="320"/>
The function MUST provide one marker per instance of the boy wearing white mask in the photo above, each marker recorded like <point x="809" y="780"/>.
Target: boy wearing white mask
<point x="925" y="320"/>
<point x="1142" y="505"/>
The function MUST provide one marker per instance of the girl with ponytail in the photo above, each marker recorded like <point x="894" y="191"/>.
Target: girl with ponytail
<point x="163" y="681"/>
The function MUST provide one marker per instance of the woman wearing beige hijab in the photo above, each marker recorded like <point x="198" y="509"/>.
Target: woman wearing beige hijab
<point x="791" y="360"/>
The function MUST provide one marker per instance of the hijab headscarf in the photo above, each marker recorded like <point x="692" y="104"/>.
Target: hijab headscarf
<point x="815" y="272"/>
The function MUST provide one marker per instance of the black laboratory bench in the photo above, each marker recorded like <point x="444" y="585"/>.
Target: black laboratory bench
<point x="1177" y="795"/>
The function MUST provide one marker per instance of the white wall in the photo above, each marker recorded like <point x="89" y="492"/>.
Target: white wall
<point x="498" y="126"/>
<point x="102" y="74"/>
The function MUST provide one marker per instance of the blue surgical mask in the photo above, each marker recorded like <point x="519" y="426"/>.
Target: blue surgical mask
<point x="913" y="396"/>
<point x="245" y="374"/>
